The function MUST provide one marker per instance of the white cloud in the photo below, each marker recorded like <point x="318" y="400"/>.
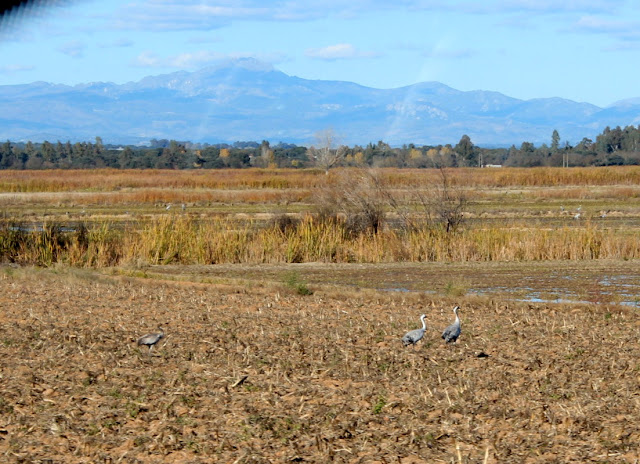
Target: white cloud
<point x="206" y="15"/>
<point x="15" y="68"/>
<point x="597" y="24"/>
<point x="555" y="7"/>
<point x="342" y="51"/>
<point x="159" y="15"/>
<point x="620" y="29"/>
<point x="74" y="49"/>
<point x="194" y="59"/>
<point x="214" y="14"/>
<point x="118" y="43"/>
<point x="546" y="7"/>
<point x="199" y="59"/>
<point x="148" y="60"/>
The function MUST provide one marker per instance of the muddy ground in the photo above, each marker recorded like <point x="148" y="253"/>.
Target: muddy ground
<point x="258" y="374"/>
<point x="593" y="281"/>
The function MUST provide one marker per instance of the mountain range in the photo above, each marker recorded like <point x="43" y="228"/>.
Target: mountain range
<point x="248" y="100"/>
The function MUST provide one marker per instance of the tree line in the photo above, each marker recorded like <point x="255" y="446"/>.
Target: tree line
<point x="612" y="147"/>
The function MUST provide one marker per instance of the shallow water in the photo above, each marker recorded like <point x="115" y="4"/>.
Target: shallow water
<point x="598" y="282"/>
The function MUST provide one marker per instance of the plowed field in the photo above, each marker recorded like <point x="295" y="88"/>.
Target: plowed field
<point x="258" y="375"/>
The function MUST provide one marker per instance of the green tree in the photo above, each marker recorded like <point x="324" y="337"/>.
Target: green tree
<point x="585" y="146"/>
<point x="210" y="158"/>
<point x="126" y="158"/>
<point x="631" y="139"/>
<point x="609" y="141"/>
<point x="527" y="147"/>
<point x="34" y="157"/>
<point x="5" y="153"/>
<point x="171" y="156"/>
<point x="239" y="159"/>
<point x="467" y="151"/>
<point x="555" y="141"/>
<point x="49" y="155"/>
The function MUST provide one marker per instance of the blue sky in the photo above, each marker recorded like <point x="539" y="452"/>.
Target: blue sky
<point x="583" y="50"/>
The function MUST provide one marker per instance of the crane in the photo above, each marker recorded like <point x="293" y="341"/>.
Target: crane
<point x="151" y="339"/>
<point x="451" y="333"/>
<point x="414" y="336"/>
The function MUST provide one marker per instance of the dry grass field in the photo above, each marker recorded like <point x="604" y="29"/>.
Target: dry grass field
<point x="263" y="374"/>
<point x="283" y="339"/>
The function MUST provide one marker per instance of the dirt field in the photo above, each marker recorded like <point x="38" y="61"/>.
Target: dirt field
<point x="263" y="374"/>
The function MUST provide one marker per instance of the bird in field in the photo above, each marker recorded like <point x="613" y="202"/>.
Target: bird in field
<point x="577" y="216"/>
<point x="451" y="333"/>
<point x="151" y="339"/>
<point x="414" y="336"/>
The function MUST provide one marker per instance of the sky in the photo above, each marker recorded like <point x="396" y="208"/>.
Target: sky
<point x="581" y="50"/>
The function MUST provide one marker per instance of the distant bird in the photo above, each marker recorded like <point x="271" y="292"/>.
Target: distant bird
<point x="168" y="207"/>
<point x="151" y="339"/>
<point x="451" y="333"/>
<point x="414" y="336"/>
<point x="184" y="206"/>
<point x="577" y="216"/>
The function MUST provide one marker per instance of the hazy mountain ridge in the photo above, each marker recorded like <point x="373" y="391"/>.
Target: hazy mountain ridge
<point x="249" y="100"/>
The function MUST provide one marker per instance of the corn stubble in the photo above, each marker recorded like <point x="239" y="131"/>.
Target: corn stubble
<point x="280" y="377"/>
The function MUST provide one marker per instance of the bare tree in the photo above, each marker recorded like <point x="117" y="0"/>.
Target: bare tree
<point x="327" y="152"/>
<point x="266" y="158"/>
<point x="443" y="205"/>
<point x="451" y="203"/>
<point x="362" y="198"/>
<point x="358" y="196"/>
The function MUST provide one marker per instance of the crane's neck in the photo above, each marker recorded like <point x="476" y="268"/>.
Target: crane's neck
<point x="424" y="324"/>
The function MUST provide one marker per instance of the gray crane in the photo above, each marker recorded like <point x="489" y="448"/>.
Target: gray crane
<point x="451" y="333"/>
<point x="151" y="339"/>
<point x="414" y="336"/>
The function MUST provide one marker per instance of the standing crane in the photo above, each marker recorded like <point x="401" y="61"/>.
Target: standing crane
<point x="151" y="339"/>
<point x="414" y="336"/>
<point x="451" y="333"/>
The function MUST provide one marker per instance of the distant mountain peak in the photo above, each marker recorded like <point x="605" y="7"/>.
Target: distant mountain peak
<point x="248" y="99"/>
<point x="626" y="102"/>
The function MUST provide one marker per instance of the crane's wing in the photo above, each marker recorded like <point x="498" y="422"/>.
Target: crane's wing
<point x="451" y="333"/>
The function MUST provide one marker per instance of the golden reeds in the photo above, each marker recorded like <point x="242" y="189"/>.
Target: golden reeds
<point x="114" y="180"/>
<point x="513" y="216"/>
<point x="187" y="240"/>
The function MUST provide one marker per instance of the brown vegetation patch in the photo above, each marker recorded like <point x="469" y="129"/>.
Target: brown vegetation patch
<point x="267" y="375"/>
